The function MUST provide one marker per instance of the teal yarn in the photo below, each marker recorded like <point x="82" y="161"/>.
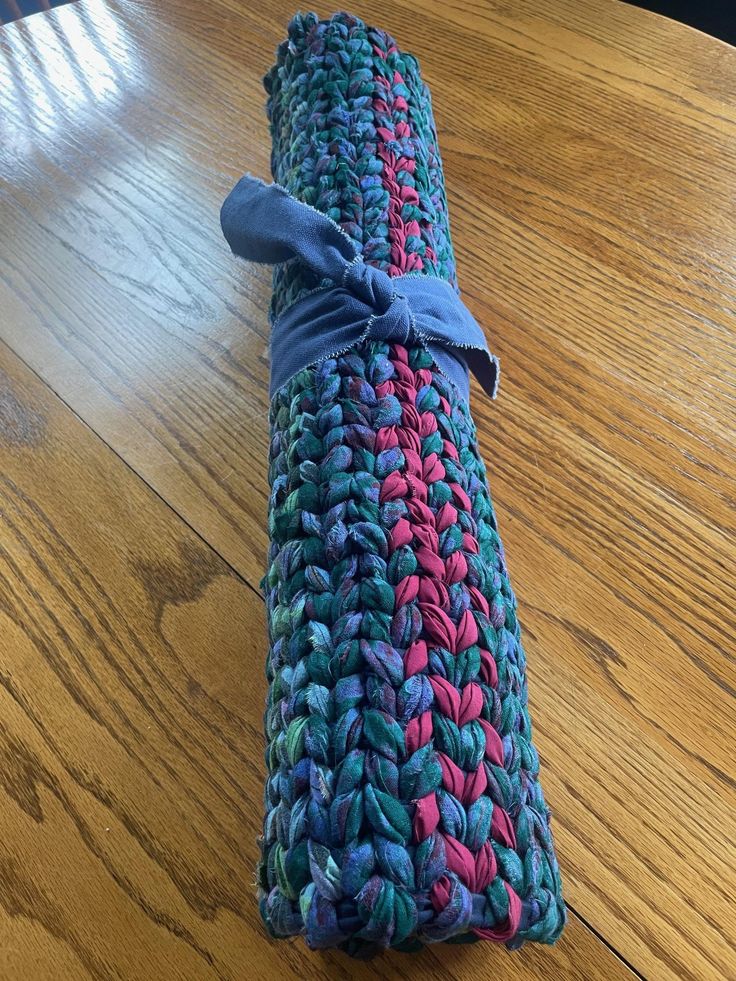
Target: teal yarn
<point x="341" y="99"/>
<point x="402" y="803"/>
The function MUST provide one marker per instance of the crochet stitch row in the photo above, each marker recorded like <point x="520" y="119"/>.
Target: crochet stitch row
<point x="353" y="135"/>
<point x="403" y="804"/>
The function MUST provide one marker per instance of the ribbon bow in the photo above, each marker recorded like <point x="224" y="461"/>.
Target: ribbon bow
<point x="264" y="223"/>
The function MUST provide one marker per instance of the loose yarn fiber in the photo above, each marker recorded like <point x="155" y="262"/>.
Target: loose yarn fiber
<point x="403" y="805"/>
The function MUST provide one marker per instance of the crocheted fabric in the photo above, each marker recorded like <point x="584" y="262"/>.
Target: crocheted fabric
<point x="402" y="804"/>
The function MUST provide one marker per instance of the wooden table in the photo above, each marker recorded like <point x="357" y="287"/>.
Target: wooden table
<point x="590" y="160"/>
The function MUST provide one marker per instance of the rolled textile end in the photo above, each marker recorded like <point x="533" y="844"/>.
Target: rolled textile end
<point x="403" y="803"/>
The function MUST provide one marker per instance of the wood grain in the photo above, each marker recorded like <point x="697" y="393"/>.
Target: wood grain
<point x="130" y="741"/>
<point x="591" y="165"/>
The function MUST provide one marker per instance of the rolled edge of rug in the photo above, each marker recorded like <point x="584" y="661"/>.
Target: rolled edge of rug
<point x="403" y="804"/>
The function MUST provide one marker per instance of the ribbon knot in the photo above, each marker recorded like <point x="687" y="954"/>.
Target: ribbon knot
<point x="370" y="284"/>
<point x="392" y="319"/>
<point x="395" y="324"/>
<point x="264" y="223"/>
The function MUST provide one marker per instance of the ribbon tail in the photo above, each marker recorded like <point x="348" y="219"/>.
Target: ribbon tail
<point x="452" y="360"/>
<point x="450" y="331"/>
<point x="264" y="223"/>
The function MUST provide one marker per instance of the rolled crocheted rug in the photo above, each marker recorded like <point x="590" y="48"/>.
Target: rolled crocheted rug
<point x="402" y="802"/>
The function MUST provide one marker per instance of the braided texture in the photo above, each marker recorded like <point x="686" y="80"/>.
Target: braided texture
<point x="353" y="135"/>
<point x="402" y="804"/>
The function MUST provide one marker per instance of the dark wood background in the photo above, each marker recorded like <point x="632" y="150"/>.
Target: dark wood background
<point x="589" y="154"/>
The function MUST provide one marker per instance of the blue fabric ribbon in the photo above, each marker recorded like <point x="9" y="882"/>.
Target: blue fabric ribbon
<point x="264" y="223"/>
